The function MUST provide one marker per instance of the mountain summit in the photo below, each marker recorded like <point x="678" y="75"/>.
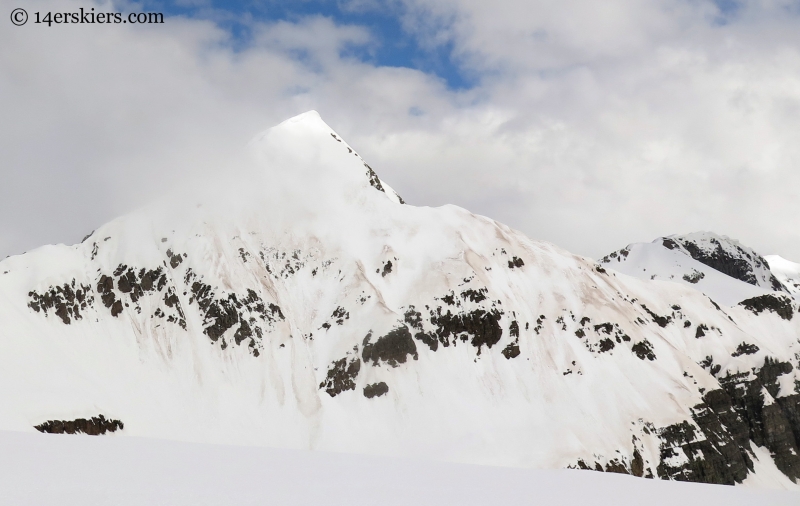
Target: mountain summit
<point x="305" y="150"/>
<point x="309" y="308"/>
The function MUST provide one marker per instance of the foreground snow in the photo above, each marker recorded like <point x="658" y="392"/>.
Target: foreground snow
<point x="83" y="470"/>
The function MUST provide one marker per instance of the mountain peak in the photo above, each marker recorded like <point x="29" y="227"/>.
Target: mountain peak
<point x="309" y="152"/>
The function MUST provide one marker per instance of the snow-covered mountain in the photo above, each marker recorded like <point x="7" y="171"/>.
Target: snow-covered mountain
<point x="787" y="272"/>
<point x="306" y="306"/>
<point x="718" y="266"/>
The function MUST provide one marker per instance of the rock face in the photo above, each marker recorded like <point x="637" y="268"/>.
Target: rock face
<point x="726" y="256"/>
<point x="94" y="426"/>
<point x="729" y="418"/>
<point x="306" y="306"/>
<point x="376" y="390"/>
<point x="778" y="304"/>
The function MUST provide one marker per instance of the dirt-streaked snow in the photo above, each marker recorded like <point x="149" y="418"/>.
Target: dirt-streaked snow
<point x="261" y="315"/>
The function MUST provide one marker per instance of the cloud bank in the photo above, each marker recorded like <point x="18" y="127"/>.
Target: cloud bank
<point x="590" y="125"/>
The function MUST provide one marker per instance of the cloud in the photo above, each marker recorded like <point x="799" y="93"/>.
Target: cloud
<point x="632" y="119"/>
<point x="100" y="119"/>
<point x="591" y="125"/>
<point x="312" y="41"/>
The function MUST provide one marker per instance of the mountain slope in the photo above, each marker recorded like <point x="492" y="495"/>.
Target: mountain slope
<point x="787" y="272"/>
<point x="305" y="306"/>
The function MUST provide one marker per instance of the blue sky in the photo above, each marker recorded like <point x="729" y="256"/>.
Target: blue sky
<point x="396" y="47"/>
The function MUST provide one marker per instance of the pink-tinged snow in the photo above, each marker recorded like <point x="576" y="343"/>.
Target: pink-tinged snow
<point x="555" y="403"/>
<point x="44" y="470"/>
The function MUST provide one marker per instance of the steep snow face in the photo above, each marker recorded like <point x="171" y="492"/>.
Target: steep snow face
<point x="302" y="305"/>
<point x="787" y="272"/>
<point x="306" y="158"/>
<point x="720" y="267"/>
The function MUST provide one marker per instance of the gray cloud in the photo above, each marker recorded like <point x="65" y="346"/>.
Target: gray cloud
<point x="593" y="124"/>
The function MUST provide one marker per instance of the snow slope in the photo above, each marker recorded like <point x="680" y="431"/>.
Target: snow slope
<point x="787" y="272"/>
<point x="44" y="470"/>
<point x="302" y="305"/>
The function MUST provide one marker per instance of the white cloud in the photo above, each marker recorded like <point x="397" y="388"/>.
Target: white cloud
<point x="641" y="118"/>
<point x="594" y="124"/>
